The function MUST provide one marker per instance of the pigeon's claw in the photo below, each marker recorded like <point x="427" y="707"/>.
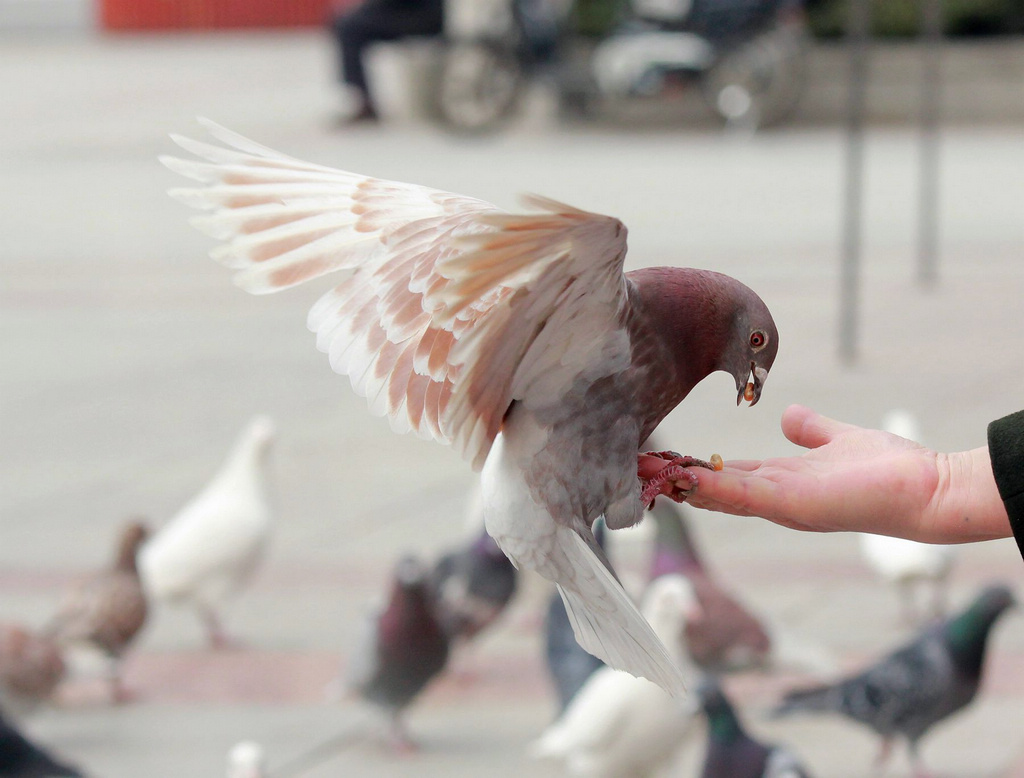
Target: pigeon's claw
<point x="665" y="473"/>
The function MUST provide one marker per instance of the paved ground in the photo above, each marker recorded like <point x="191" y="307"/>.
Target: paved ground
<point x="130" y="362"/>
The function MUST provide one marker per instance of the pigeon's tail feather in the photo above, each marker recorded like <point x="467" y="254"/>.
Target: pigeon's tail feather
<point x="819" y="698"/>
<point x="607" y="623"/>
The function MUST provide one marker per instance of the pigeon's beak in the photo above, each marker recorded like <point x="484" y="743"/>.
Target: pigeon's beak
<point x="750" y="390"/>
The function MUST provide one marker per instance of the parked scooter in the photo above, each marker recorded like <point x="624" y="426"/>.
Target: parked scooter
<point x="746" y="56"/>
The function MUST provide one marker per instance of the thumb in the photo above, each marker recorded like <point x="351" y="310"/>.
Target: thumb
<point x="809" y="429"/>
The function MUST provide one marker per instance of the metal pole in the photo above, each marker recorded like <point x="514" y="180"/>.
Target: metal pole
<point x="857" y="31"/>
<point x="931" y="96"/>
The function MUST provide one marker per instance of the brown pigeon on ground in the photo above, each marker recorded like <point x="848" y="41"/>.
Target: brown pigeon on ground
<point x="516" y="338"/>
<point x="31" y="667"/>
<point x="108" y="609"/>
<point x="727" y="635"/>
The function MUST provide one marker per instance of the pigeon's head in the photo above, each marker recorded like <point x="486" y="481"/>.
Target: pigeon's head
<point x="710" y="694"/>
<point x="723" y="724"/>
<point x="246" y="760"/>
<point x="410" y="572"/>
<point x="261" y="432"/>
<point x="710" y="322"/>
<point x="967" y="633"/>
<point x="995" y="599"/>
<point x="485" y="547"/>
<point x="752" y="344"/>
<point x="134" y="534"/>
<point x="669" y="603"/>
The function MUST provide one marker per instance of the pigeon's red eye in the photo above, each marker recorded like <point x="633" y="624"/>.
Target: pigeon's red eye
<point x="758" y="339"/>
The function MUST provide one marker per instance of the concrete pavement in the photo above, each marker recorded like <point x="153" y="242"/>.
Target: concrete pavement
<point x="130" y="362"/>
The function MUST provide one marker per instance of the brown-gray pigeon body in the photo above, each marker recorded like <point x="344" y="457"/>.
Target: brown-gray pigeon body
<point x="108" y="609"/>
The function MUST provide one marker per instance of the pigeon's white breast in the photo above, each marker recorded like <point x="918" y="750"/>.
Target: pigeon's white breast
<point x="513" y="515"/>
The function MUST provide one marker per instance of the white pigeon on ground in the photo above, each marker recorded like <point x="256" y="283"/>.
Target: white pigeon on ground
<point x="617" y="725"/>
<point x="910" y="566"/>
<point x="516" y="338"/>
<point x="247" y="760"/>
<point x="212" y="546"/>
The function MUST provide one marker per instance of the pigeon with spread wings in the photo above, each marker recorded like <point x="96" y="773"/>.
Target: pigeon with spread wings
<point x="518" y="339"/>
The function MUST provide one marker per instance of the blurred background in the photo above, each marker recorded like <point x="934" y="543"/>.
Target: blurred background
<point x="859" y="165"/>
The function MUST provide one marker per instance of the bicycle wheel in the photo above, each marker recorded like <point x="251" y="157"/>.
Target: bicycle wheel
<point x="478" y="85"/>
<point x="759" y="82"/>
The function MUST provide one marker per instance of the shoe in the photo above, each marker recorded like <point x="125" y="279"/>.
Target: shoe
<point x="367" y="114"/>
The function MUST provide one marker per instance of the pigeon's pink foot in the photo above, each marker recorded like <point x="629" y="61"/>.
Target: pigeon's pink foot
<point x="216" y="638"/>
<point x="121" y="694"/>
<point x="664" y="472"/>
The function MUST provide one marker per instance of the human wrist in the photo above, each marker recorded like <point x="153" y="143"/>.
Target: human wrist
<point x="971" y="508"/>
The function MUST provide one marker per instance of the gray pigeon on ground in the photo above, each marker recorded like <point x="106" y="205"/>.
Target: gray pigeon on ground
<point x="108" y="609"/>
<point x="517" y="338"/>
<point x="731" y="752"/>
<point x="568" y="664"/>
<point x="472" y="585"/>
<point x="915" y="687"/>
<point x="21" y="758"/>
<point x="402" y="649"/>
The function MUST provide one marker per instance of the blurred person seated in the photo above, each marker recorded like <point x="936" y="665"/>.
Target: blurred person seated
<point x="373" y="21"/>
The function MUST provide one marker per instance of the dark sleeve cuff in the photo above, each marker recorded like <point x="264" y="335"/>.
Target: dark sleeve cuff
<point x="1006" y="450"/>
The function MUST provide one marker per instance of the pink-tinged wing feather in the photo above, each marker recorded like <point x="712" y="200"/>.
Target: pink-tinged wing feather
<point x="559" y="310"/>
<point x="452" y="309"/>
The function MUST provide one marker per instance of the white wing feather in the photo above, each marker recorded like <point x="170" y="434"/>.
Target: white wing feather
<point x="449" y="309"/>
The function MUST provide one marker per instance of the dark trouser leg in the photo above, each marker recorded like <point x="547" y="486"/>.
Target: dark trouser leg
<point x="352" y="37"/>
<point x="354" y="31"/>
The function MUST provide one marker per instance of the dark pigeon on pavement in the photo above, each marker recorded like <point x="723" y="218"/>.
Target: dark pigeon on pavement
<point x="403" y="648"/>
<point x="471" y="587"/>
<point x="21" y="758"/>
<point x="731" y="752"/>
<point x="909" y="691"/>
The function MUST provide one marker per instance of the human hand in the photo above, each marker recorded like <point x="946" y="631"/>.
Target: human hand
<point x="862" y="480"/>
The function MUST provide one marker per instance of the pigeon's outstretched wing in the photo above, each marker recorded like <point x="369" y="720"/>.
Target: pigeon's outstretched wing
<point x="451" y="308"/>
